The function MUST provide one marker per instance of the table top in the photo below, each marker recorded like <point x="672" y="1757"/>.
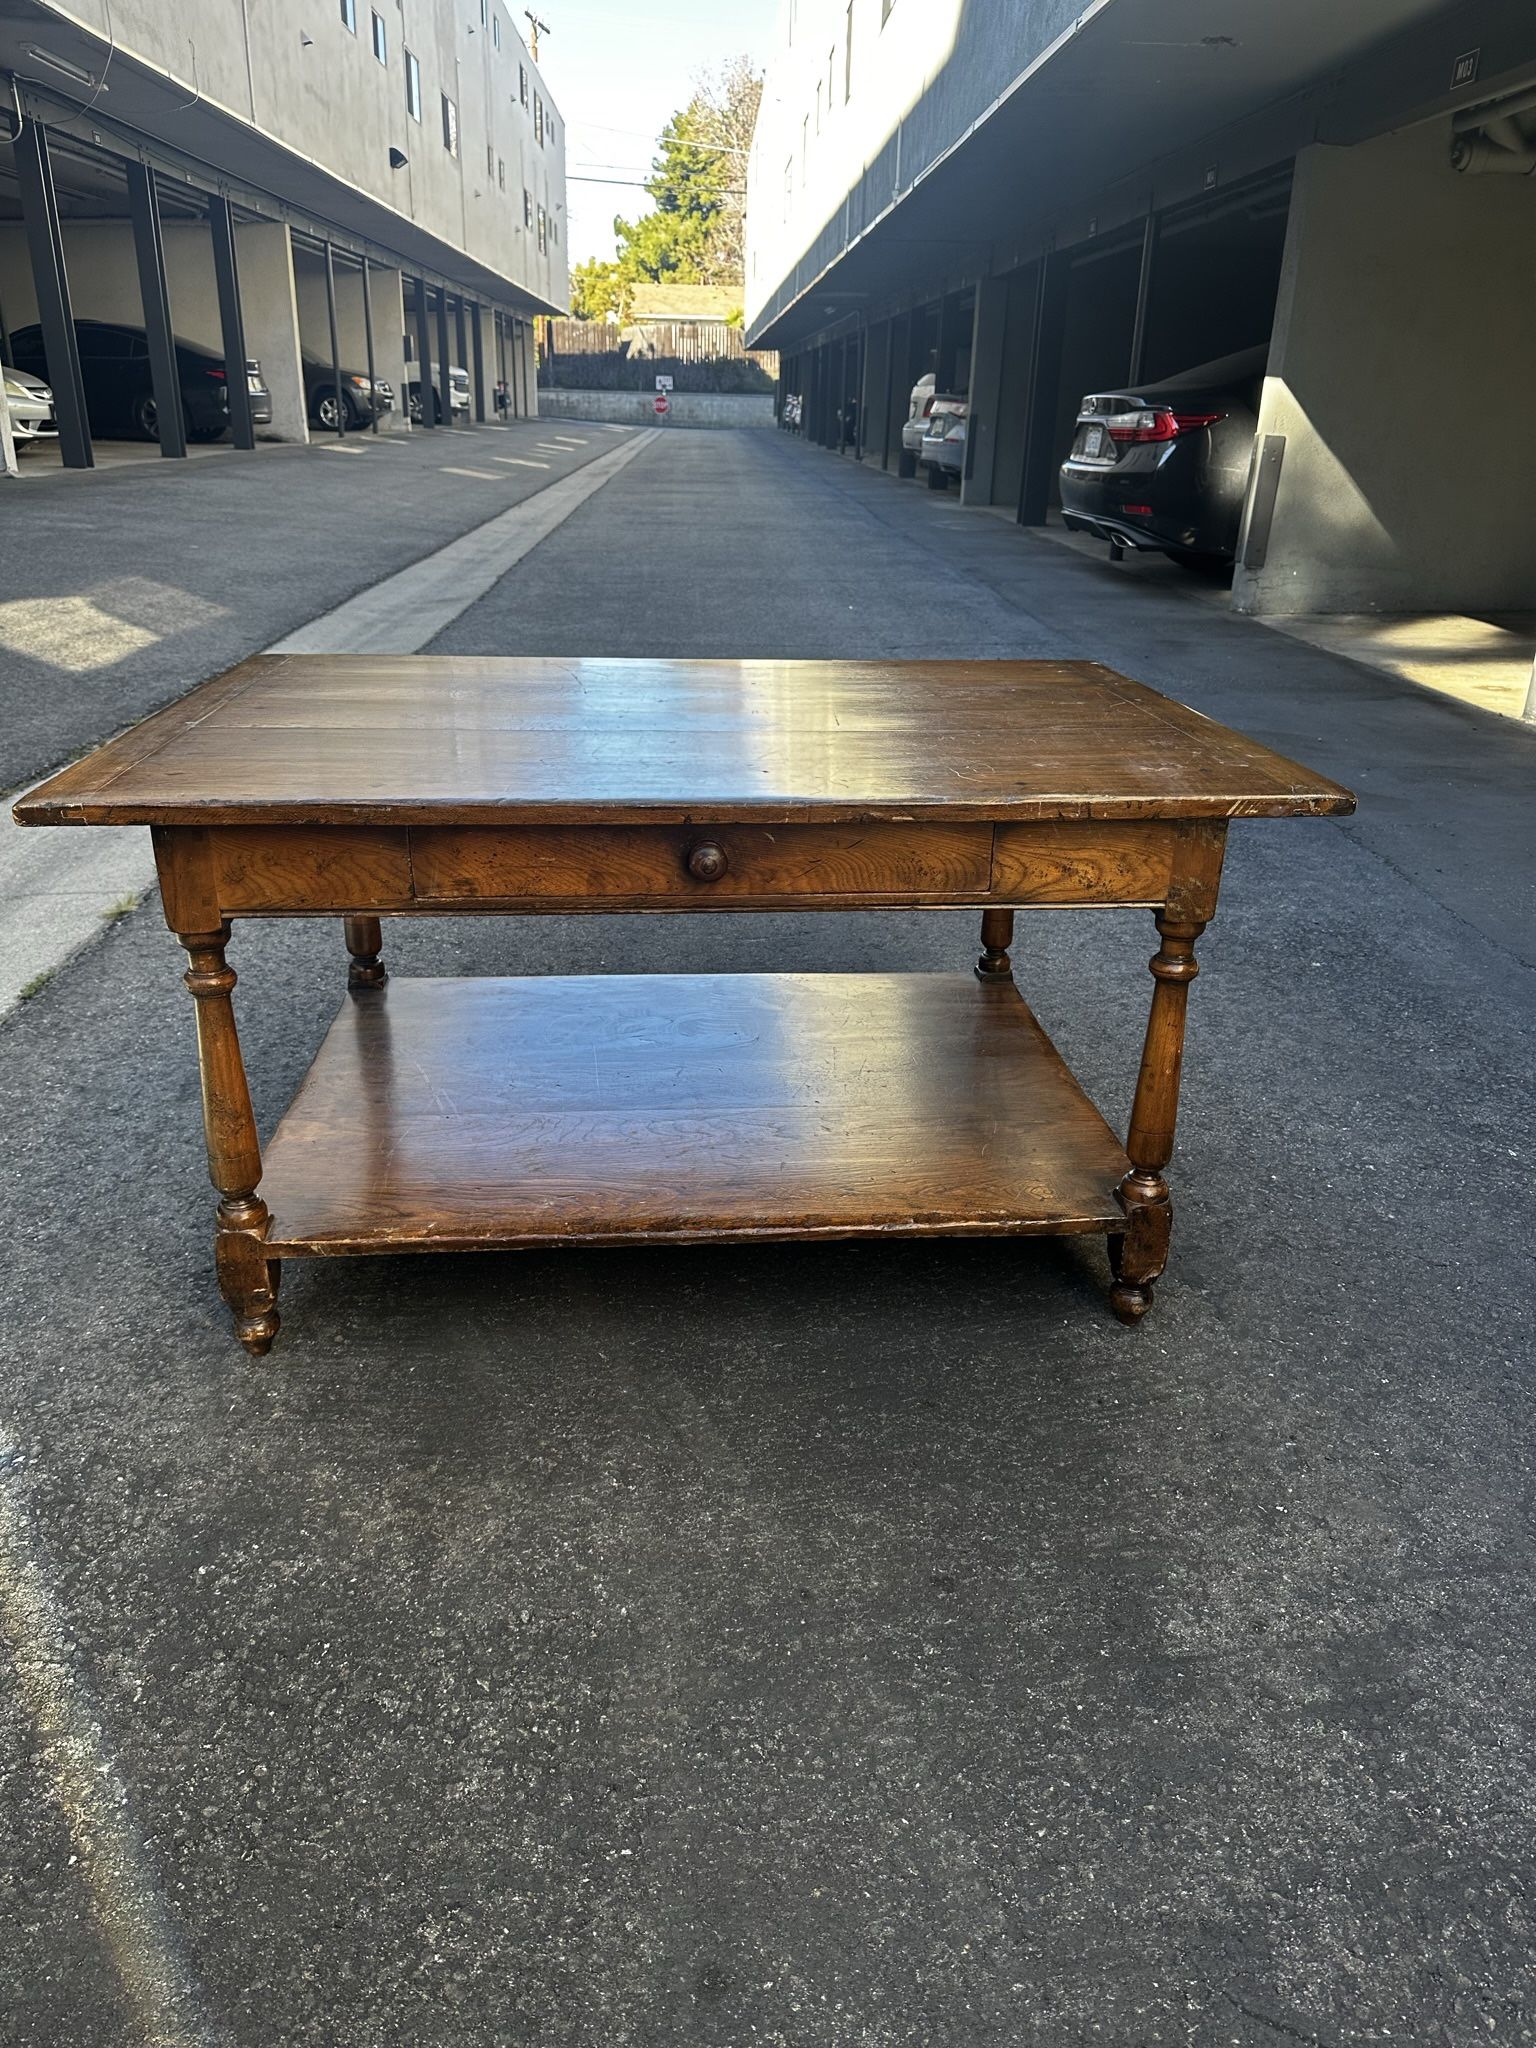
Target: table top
<point x="400" y="739"/>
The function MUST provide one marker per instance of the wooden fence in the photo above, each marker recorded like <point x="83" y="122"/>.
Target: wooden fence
<point x="699" y="355"/>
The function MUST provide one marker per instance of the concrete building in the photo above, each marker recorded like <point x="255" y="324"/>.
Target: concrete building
<point x="370" y="186"/>
<point x="1039" y="198"/>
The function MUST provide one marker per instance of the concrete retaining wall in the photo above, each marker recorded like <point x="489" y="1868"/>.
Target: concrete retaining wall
<point x="637" y="408"/>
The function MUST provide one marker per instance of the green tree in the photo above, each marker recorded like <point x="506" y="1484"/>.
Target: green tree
<point x="597" y="289"/>
<point x="694" y="232"/>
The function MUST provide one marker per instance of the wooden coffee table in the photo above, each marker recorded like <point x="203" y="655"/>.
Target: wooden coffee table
<point x="453" y="1115"/>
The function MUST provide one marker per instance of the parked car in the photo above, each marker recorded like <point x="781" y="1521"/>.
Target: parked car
<point x="1165" y="466"/>
<point x="918" y="408"/>
<point x="30" y="405"/>
<point x="459" y="396"/>
<point x="119" y="391"/>
<point x="360" y="398"/>
<point x="941" y="452"/>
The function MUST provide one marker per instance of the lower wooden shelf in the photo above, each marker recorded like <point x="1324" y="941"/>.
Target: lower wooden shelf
<point x="448" y="1115"/>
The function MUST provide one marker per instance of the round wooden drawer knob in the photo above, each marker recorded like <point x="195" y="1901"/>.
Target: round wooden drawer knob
<point x="707" y="862"/>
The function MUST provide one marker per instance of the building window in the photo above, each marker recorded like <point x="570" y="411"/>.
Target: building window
<point x="538" y="120"/>
<point x="831" y="75"/>
<point x="527" y="208"/>
<point x="496" y="31"/>
<point x="450" y="126"/>
<point x="490" y="161"/>
<point x="543" y="232"/>
<point x="501" y="172"/>
<point x="380" y="39"/>
<point x="789" y="185"/>
<point x="848" y="56"/>
<point x="805" y="135"/>
<point x="412" y="87"/>
<point x="818" y="106"/>
<point x="522" y="83"/>
<point x="349" y="15"/>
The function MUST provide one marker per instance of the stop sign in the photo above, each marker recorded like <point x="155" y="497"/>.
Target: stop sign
<point x="662" y="401"/>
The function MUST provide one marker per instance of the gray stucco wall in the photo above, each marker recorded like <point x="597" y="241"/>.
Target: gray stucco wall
<point x="1406" y="318"/>
<point x="296" y="73"/>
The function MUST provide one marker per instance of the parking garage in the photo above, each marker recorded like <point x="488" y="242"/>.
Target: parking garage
<point x="1368" y="230"/>
<point x="131" y="280"/>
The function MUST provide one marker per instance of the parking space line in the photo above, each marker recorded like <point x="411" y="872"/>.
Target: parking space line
<point x="485" y="476"/>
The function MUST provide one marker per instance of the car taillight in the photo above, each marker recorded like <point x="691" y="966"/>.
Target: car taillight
<point x="1158" y="425"/>
<point x="927" y="407"/>
<point x="216" y="375"/>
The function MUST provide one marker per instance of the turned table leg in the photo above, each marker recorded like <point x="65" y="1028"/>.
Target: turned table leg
<point x="365" y="943"/>
<point x="248" y="1279"/>
<point x="996" y="938"/>
<point x="1139" y="1254"/>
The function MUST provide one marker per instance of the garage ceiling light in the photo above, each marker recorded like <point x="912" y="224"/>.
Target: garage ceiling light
<point x="75" y="71"/>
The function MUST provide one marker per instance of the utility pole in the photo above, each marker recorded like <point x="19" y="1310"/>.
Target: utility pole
<point x="538" y="28"/>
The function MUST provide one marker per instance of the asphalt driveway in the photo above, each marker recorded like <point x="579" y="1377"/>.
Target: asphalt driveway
<point x="814" y="1646"/>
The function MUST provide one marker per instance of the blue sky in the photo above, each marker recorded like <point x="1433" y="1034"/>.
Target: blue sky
<point x="618" y="69"/>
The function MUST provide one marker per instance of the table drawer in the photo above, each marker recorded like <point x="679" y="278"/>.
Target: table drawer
<point x="700" y="863"/>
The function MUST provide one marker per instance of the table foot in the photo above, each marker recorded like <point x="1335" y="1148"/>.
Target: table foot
<point x="1130" y="1300"/>
<point x="996" y="938"/>
<point x="365" y="946"/>
<point x="1139" y="1253"/>
<point x="248" y="1279"/>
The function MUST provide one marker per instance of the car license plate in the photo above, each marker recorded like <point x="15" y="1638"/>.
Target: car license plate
<point x="1093" y="441"/>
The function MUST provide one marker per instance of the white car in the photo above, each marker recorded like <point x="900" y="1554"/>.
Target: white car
<point x="942" y="451"/>
<point x="918" y="409"/>
<point x="30" y="403"/>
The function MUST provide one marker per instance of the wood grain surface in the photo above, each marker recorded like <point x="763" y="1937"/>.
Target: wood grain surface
<point x="454" y="1114"/>
<point x="403" y="739"/>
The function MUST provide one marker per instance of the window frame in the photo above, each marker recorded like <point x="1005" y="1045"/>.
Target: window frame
<point x="412" y="85"/>
<point x="450" y="116"/>
<point x="349" y="16"/>
<point x="379" y="33"/>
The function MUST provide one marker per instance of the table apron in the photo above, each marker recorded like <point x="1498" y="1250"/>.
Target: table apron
<point x="209" y="874"/>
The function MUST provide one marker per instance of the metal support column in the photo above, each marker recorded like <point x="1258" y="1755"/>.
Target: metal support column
<point x="337" y="393"/>
<point x="477" y="358"/>
<point x="45" y="245"/>
<point x="944" y="351"/>
<point x="1143" y="295"/>
<point x="1040" y="453"/>
<point x="373" y="375"/>
<point x="226" y="271"/>
<point x="462" y="337"/>
<point x="445" y="359"/>
<point x="519" y="371"/>
<point x="155" y="297"/>
<point x="424" y="353"/>
<point x="861" y="379"/>
<point x="889" y="395"/>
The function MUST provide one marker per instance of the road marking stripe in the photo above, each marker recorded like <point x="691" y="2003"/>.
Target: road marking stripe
<point x="405" y="611"/>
